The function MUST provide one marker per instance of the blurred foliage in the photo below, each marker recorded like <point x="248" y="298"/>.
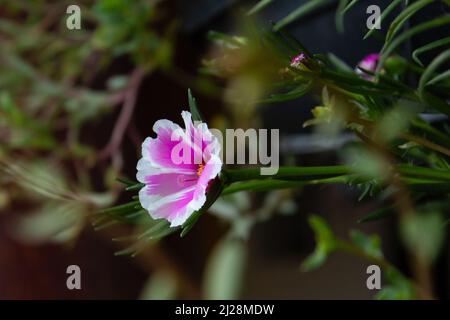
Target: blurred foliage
<point x="160" y="286"/>
<point x="424" y="233"/>
<point x="56" y="82"/>
<point x="224" y="275"/>
<point x="53" y="85"/>
<point x="366" y="247"/>
<point x="400" y="157"/>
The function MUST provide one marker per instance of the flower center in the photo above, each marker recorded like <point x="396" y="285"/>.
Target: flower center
<point x="200" y="169"/>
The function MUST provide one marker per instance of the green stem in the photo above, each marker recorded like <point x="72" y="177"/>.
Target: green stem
<point x="235" y="175"/>
<point x="355" y="250"/>
<point x="309" y="174"/>
<point x="271" y="184"/>
<point x="438" y="135"/>
<point x="422" y="172"/>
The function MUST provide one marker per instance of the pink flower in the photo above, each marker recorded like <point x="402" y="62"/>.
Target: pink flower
<point x="369" y="63"/>
<point x="297" y="60"/>
<point x="176" y="168"/>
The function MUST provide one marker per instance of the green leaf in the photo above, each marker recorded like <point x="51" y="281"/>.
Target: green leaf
<point x="117" y="82"/>
<point x="356" y="84"/>
<point x="423" y="172"/>
<point x="339" y="18"/>
<point x="225" y="40"/>
<point x="403" y="17"/>
<point x="281" y="45"/>
<point x="126" y="181"/>
<point x="395" y="121"/>
<point x="291" y="95"/>
<point x="123" y="208"/>
<point x="389" y="47"/>
<point x="443" y="76"/>
<point x="339" y="64"/>
<point x="371" y="245"/>
<point x="159" y="286"/>
<point x="315" y="260"/>
<point x="224" y="274"/>
<point x="366" y="163"/>
<point x="12" y="111"/>
<point x="155" y="229"/>
<point x="398" y="288"/>
<point x="343" y="7"/>
<point x="424" y="233"/>
<point x="163" y="232"/>
<point x="291" y="41"/>
<point x="300" y="12"/>
<point x="325" y="243"/>
<point x="259" y="6"/>
<point x="431" y="69"/>
<point x="436" y="103"/>
<point x="377" y="215"/>
<point x="196" y="116"/>
<point x="428" y="47"/>
<point x="55" y="221"/>
<point x="136" y="186"/>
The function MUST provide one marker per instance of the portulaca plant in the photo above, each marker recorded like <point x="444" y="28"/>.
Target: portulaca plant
<point x="399" y="154"/>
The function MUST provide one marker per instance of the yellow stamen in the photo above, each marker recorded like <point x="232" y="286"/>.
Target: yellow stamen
<point x="200" y="169"/>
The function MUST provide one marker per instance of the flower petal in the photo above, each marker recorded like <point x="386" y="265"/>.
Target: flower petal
<point x="165" y="206"/>
<point x="173" y="190"/>
<point x="170" y="143"/>
<point x="210" y="171"/>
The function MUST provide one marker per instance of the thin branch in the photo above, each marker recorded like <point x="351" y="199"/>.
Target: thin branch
<point x="126" y="113"/>
<point x="133" y="135"/>
<point x="426" y="143"/>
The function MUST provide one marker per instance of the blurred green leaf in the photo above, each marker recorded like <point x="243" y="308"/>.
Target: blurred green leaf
<point x="339" y="64"/>
<point x="298" y="92"/>
<point x="395" y="121"/>
<point x="159" y="286"/>
<point x="366" y="163"/>
<point x="300" y="12"/>
<point x="343" y="7"/>
<point x="196" y="116"/>
<point x="403" y="17"/>
<point x="325" y="244"/>
<point x="224" y="274"/>
<point x="429" y="72"/>
<point x="54" y="222"/>
<point x="425" y="26"/>
<point x="370" y="245"/>
<point x="428" y="47"/>
<point x="117" y="82"/>
<point x="339" y="17"/>
<point x="424" y="234"/>
<point x="398" y="288"/>
<point x="261" y="4"/>
<point x="377" y="215"/>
